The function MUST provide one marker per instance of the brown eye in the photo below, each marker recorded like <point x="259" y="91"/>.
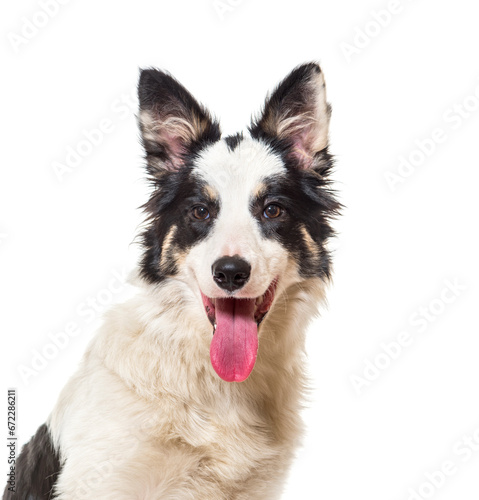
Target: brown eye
<point x="272" y="211"/>
<point x="200" y="213"/>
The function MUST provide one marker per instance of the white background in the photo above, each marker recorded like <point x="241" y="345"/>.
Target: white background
<point x="63" y="238"/>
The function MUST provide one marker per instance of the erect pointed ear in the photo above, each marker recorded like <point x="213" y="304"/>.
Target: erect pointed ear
<point x="172" y="123"/>
<point x="297" y="114"/>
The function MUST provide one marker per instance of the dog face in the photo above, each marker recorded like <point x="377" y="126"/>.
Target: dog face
<point x="242" y="217"/>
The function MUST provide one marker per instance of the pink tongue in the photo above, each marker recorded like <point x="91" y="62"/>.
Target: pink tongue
<point x="234" y="346"/>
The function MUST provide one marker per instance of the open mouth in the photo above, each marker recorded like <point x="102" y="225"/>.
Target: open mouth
<point x="234" y="346"/>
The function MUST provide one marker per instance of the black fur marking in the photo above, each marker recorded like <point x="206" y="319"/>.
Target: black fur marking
<point x="304" y="193"/>
<point x="37" y="469"/>
<point x="175" y="194"/>
<point x="308" y="203"/>
<point x="164" y="97"/>
<point x="170" y="154"/>
<point x="233" y="141"/>
<point x="292" y="94"/>
<point x="174" y="132"/>
<point x="293" y="97"/>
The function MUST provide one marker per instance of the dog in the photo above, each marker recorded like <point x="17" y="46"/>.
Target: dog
<point x="192" y="389"/>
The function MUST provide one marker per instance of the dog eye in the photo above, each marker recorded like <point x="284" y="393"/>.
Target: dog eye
<point x="272" y="211"/>
<point x="200" y="213"/>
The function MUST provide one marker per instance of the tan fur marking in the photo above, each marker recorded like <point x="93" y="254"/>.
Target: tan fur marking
<point x="309" y="242"/>
<point x="185" y="128"/>
<point x="210" y="192"/>
<point x="259" y="190"/>
<point x="166" y="246"/>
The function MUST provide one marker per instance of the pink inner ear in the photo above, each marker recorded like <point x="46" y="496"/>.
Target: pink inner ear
<point x="300" y="151"/>
<point x="174" y="144"/>
<point x="175" y="148"/>
<point x="174" y="129"/>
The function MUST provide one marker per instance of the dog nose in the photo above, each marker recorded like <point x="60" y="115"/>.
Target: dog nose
<point x="231" y="273"/>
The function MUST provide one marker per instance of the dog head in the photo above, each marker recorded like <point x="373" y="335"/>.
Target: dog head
<point x="242" y="217"/>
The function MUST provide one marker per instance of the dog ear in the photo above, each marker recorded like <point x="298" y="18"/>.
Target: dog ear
<point x="297" y="114"/>
<point x="172" y="123"/>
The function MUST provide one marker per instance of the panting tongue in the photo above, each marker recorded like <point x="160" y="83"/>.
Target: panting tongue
<point x="234" y="346"/>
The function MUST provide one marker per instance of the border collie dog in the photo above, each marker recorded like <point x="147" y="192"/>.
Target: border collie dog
<point x="192" y="389"/>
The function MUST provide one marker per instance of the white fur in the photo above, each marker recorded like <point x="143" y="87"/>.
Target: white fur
<point x="146" y="417"/>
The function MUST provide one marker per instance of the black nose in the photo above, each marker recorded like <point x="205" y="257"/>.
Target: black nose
<point x="231" y="273"/>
